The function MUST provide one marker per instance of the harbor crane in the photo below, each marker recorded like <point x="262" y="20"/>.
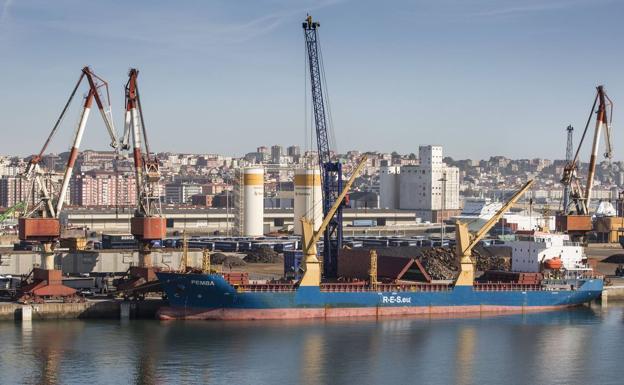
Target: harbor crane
<point x="148" y="224"/>
<point x="11" y="211"/>
<point x="575" y="218"/>
<point x="331" y="170"/>
<point x="41" y="222"/>
<point x="466" y="241"/>
<point x="312" y="270"/>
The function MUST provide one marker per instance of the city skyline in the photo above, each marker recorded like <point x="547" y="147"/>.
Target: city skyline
<point x="205" y="82"/>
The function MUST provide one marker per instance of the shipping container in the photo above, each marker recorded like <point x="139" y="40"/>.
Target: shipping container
<point x="292" y="262"/>
<point x="375" y="242"/>
<point x="280" y="247"/>
<point x="353" y="243"/>
<point x="364" y="223"/>
<point x="227" y="246"/>
<point x="244" y="245"/>
<point x="259" y="245"/>
<point x="200" y="244"/>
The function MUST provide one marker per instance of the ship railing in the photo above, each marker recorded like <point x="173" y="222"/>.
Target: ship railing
<point x="269" y="287"/>
<point x="492" y="286"/>
<point x="383" y="287"/>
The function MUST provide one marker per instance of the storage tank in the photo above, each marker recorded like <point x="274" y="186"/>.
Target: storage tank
<point x="308" y="198"/>
<point x="389" y="187"/>
<point x="253" y="205"/>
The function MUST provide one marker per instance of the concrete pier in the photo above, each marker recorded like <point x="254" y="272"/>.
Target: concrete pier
<point x="615" y="293"/>
<point x="26" y="315"/>
<point x="124" y="310"/>
<point x="102" y="309"/>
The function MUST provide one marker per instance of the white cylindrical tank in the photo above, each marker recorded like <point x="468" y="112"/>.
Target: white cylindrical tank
<point x="389" y="187"/>
<point x="308" y="198"/>
<point x="253" y="202"/>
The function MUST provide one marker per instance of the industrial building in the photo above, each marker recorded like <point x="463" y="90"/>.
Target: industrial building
<point x="430" y="188"/>
<point x="223" y="220"/>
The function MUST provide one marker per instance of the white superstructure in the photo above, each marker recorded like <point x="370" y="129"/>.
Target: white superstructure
<point x="477" y="211"/>
<point x="529" y="251"/>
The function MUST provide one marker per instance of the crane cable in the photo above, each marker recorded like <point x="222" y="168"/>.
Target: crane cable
<point x="330" y="121"/>
<point x="591" y="112"/>
<point x="59" y="120"/>
<point x="138" y="98"/>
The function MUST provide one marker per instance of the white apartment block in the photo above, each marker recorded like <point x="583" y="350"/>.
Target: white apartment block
<point x="428" y="187"/>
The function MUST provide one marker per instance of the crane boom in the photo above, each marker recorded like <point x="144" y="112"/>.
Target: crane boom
<point x="331" y="171"/>
<point x="147" y="170"/>
<point x="602" y="123"/>
<point x="42" y="222"/>
<point x="312" y="275"/>
<point x="95" y="84"/>
<point x="580" y="196"/>
<point x="336" y="205"/>
<point x="465" y="241"/>
<point x="16" y="207"/>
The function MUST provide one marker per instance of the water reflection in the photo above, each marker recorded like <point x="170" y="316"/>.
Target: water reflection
<point x="48" y="344"/>
<point x="466" y="340"/>
<point x="571" y="347"/>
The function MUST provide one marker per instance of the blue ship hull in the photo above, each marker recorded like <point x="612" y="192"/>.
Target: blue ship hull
<point x="210" y="296"/>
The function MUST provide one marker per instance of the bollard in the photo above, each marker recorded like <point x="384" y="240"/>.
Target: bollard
<point x="124" y="310"/>
<point x="26" y="313"/>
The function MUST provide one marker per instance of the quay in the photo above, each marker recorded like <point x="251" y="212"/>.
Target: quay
<point x="91" y="309"/>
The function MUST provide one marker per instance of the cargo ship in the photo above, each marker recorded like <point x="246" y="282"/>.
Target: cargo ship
<point x="210" y="295"/>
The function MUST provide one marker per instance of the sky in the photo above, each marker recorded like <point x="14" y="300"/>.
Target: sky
<point x="480" y="77"/>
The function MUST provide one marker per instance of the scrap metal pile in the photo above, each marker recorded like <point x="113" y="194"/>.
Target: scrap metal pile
<point x="264" y="254"/>
<point x="226" y="260"/>
<point x="441" y="262"/>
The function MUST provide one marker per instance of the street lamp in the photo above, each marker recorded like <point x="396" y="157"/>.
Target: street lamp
<point x="443" y="208"/>
<point x="503" y="202"/>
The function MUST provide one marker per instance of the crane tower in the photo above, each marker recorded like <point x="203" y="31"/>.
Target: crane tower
<point x="331" y="170"/>
<point x="148" y="224"/>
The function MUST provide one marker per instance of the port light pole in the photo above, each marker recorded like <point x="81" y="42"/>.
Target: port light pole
<point x="442" y="208"/>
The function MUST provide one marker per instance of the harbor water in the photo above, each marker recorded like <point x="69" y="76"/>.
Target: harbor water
<point x="578" y="346"/>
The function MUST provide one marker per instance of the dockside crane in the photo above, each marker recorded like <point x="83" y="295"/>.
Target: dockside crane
<point x="575" y="218"/>
<point x="312" y="271"/>
<point x="148" y="224"/>
<point x="331" y="170"/>
<point x="466" y="241"/>
<point x="41" y="222"/>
